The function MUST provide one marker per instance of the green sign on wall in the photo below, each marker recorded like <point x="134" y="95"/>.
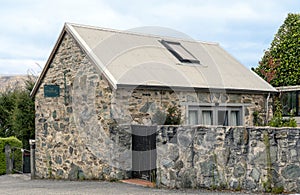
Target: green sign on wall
<point x="51" y="90"/>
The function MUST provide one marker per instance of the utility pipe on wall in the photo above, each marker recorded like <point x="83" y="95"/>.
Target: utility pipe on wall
<point x="267" y="109"/>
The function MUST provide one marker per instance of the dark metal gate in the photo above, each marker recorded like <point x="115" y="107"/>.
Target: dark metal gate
<point x="26" y="161"/>
<point x="144" y="152"/>
<point x="17" y="160"/>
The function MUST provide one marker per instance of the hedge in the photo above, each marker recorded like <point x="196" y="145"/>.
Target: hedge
<point x="13" y="142"/>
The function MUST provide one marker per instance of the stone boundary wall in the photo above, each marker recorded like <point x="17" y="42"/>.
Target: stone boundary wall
<point x="238" y="158"/>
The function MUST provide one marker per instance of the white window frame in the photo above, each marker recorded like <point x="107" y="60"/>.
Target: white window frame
<point x="214" y="110"/>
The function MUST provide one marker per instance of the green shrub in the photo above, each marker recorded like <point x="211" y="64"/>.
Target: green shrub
<point x="13" y="142"/>
<point x="278" y="190"/>
<point x="173" y="116"/>
<point x="257" y="119"/>
<point x="278" y="120"/>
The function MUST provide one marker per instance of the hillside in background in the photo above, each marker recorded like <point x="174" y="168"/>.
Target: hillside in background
<point x="11" y="82"/>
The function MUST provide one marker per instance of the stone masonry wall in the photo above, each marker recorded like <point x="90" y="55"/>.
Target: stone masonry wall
<point x="236" y="158"/>
<point x="137" y="106"/>
<point x="72" y="129"/>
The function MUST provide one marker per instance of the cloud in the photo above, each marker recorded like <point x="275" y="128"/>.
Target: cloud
<point x="20" y="66"/>
<point x="29" y="29"/>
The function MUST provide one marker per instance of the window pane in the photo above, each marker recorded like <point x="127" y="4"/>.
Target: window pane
<point x="223" y="117"/>
<point x="193" y="117"/>
<point x="293" y="102"/>
<point x="285" y="104"/>
<point x="288" y="101"/>
<point x="181" y="51"/>
<point x="298" y="104"/>
<point x="207" y="117"/>
<point x="234" y="118"/>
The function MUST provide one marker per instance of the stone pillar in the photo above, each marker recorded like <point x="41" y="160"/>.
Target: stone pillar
<point x="9" y="164"/>
<point x="32" y="157"/>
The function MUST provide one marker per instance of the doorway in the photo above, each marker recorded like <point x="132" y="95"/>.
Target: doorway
<point x="144" y="152"/>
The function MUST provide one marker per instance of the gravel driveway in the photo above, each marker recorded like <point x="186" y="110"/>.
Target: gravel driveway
<point x="21" y="184"/>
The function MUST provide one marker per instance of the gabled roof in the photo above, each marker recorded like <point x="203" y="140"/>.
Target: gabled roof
<point x="128" y="58"/>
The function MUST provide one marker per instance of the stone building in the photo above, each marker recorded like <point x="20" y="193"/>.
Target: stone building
<point x="97" y="80"/>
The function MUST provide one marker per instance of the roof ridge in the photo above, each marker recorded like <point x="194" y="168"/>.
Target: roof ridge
<point x="139" y="34"/>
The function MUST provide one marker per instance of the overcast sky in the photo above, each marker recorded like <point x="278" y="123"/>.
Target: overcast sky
<point x="245" y="28"/>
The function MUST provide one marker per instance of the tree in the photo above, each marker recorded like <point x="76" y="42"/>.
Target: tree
<point x="17" y="113"/>
<point x="7" y="102"/>
<point x="280" y="65"/>
<point x="22" y="118"/>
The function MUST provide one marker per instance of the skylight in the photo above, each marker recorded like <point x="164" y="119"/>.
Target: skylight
<point x="181" y="53"/>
